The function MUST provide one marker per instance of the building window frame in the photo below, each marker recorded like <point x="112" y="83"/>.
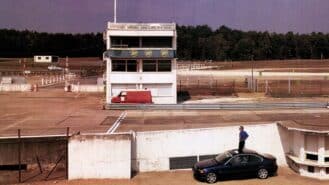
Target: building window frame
<point x="125" y="63"/>
<point x="157" y="61"/>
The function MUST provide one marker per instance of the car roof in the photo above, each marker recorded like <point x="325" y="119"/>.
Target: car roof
<point x="244" y="151"/>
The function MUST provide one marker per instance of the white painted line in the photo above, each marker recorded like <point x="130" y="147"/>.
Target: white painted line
<point x="116" y="124"/>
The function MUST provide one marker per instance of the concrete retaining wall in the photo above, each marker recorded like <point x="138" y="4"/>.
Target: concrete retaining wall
<point x="87" y="88"/>
<point x="15" y="87"/>
<point x="153" y="149"/>
<point x="100" y="156"/>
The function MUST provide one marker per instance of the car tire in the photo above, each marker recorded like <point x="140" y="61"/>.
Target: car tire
<point x="211" y="178"/>
<point x="262" y="173"/>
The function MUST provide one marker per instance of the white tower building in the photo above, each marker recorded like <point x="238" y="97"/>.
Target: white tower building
<point x="141" y="56"/>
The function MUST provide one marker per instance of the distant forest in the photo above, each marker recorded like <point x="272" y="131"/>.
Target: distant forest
<point x="194" y="43"/>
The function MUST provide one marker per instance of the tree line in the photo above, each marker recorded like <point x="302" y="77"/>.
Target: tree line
<point x="15" y="43"/>
<point x="202" y="43"/>
<point x="193" y="43"/>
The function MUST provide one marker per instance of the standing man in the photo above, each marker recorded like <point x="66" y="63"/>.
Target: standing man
<point x="243" y="135"/>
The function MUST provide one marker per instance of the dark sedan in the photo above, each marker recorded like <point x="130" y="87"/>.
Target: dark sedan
<point x="231" y="164"/>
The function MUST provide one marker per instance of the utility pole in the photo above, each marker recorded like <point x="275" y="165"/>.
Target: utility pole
<point x="115" y="11"/>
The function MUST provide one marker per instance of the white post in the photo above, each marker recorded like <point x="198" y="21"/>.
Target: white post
<point x="321" y="149"/>
<point x="108" y="83"/>
<point x="302" y="154"/>
<point x="174" y="86"/>
<point x="289" y="86"/>
<point x="42" y="81"/>
<point x="115" y="11"/>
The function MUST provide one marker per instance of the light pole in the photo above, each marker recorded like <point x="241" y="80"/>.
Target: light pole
<point x="252" y="72"/>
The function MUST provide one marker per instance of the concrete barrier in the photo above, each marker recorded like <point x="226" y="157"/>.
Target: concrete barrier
<point x="87" y="88"/>
<point x="152" y="150"/>
<point x="100" y="156"/>
<point x="15" y="87"/>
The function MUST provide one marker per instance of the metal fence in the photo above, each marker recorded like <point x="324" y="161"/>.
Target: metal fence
<point x="27" y="158"/>
<point x="188" y="86"/>
<point x="294" y="88"/>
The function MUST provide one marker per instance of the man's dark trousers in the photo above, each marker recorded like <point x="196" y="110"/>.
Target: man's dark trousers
<point x="241" y="146"/>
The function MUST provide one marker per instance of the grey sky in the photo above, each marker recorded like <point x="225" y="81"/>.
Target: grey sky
<point x="82" y="16"/>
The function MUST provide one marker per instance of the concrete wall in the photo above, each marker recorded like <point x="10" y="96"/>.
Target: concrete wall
<point x="15" y="87"/>
<point x="100" y="156"/>
<point x="87" y="88"/>
<point x="163" y="100"/>
<point x="142" y="78"/>
<point x="311" y="143"/>
<point x="152" y="150"/>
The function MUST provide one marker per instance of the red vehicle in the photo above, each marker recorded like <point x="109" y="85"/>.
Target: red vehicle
<point x="133" y="96"/>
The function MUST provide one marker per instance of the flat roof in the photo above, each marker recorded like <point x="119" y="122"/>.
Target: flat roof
<point x="317" y="125"/>
<point x="142" y="26"/>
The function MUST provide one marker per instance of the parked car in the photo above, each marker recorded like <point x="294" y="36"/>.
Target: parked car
<point x="234" y="164"/>
<point x="133" y="96"/>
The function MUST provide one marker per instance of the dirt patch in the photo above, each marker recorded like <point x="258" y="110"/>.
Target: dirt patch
<point x="285" y="177"/>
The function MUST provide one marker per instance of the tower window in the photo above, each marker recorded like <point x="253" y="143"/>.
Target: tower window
<point x="310" y="169"/>
<point x="149" y="66"/>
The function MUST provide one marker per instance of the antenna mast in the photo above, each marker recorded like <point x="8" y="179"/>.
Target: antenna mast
<point x="115" y="11"/>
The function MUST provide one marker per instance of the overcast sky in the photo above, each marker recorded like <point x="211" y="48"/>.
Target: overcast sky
<point x="303" y="16"/>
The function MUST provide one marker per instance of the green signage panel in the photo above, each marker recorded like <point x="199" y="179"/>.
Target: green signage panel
<point x="134" y="53"/>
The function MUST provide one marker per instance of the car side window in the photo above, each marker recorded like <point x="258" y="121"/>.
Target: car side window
<point x="238" y="160"/>
<point x="244" y="159"/>
<point x="254" y="159"/>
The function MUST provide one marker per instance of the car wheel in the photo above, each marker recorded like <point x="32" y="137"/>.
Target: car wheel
<point x="262" y="173"/>
<point x="211" y="178"/>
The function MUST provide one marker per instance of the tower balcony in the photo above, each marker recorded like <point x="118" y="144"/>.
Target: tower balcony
<point x="135" y="53"/>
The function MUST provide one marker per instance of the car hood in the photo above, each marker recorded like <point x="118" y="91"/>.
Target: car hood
<point x="206" y="163"/>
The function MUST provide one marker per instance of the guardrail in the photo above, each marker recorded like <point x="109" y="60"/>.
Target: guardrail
<point x="224" y="106"/>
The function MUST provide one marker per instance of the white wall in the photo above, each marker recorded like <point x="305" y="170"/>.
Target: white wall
<point x="46" y="59"/>
<point x="142" y="78"/>
<point x="311" y="143"/>
<point x="153" y="149"/>
<point x="298" y="144"/>
<point x="163" y="100"/>
<point x="15" y="87"/>
<point x="87" y="88"/>
<point x="100" y="156"/>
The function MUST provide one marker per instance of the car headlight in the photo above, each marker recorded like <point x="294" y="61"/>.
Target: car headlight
<point x="202" y="171"/>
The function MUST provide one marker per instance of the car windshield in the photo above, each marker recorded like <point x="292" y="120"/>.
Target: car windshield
<point x="223" y="156"/>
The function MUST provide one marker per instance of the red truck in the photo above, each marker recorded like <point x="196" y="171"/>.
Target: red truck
<point x="133" y="96"/>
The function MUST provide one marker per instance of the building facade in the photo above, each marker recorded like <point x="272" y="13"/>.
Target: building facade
<point x="141" y="56"/>
<point x="45" y="58"/>
<point x="309" y="149"/>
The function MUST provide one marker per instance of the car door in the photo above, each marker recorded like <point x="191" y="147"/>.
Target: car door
<point x="236" y="166"/>
<point x="253" y="164"/>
